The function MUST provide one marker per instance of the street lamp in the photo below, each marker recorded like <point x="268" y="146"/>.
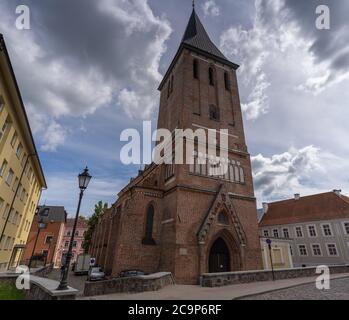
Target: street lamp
<point x="84" y="179"/>
<point x="41" y="226"/>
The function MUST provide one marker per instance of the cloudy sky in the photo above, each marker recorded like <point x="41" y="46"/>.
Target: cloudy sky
<point x="88" y="69"/>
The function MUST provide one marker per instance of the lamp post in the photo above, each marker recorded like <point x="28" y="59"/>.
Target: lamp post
<point x="84" y="179"/>
<point x="41" y="226"/>
<point x="271" y="258"/>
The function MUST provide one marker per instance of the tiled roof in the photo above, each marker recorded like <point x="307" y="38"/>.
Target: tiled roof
<point x="55" y="213"/>
<point x="324" y="206"/>
<point x="82" y="223"/>
<point x="196" y="36"/>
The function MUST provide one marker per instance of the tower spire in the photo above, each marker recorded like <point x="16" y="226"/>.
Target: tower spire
<point x="194" y="4"/>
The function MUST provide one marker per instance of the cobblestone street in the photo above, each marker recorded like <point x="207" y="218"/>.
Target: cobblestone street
<point x="77" y="282"/>
<point x="339" y="290"/>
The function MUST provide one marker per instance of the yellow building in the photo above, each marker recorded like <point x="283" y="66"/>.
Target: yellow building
<point x="279" y="252"/>
<point x="21" y="175"/>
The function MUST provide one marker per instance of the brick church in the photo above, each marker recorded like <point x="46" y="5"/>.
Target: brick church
<point x="179" y="218"/>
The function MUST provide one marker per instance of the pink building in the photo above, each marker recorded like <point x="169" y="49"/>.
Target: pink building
<point x="63" y="246"/>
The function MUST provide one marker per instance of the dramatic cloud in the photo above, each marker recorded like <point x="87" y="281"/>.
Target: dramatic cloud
<point x="278" y="34"/>
<point x="72" y="65"/>
<point x="306" y="171"/>
<point x="211" y="8"/>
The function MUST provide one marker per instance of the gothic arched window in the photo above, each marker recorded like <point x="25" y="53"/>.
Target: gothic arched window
<point x="211" y="76"/>
<point x="214" y="112"/>
<point x="222" y="218"/>
<point x="148" y="237"/>
<point x="196" y="69"/>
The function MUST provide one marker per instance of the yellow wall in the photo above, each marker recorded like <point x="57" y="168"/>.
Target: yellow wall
<point x="25" y="204"/>
<point x="281" y="254"/>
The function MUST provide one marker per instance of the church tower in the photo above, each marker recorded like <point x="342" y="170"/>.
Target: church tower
<point x="181" y="218"/>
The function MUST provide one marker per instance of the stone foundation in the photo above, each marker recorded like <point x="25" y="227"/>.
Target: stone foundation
<point x="230" y="278"/>
<point x="151" y="282"/>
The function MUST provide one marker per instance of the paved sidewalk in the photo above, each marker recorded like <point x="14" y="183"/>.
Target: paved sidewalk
<point x="191" y="292"/>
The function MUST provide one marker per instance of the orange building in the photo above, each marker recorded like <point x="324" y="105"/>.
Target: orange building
<point x="46" y="240"/>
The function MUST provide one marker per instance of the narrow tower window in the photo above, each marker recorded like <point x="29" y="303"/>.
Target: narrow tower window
<point x="226" y="81"/>
<point x="211" y="76"/>
<point x="214" y="113"/>
<point x="148" y="238"/>
<point x="196" y="69"/>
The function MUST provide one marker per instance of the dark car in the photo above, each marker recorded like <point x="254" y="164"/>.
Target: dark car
<point x="131" y="273"/>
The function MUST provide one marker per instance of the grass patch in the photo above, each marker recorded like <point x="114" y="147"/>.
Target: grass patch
<point x="8" y="291"/>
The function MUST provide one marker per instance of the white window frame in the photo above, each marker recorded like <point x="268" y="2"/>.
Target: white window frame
<point x="309" y="235"/>
<point x="328" y="251"/>
<point x="323" y="231"/>
<point x="312" y="250"/>
<point x="288" y="232"/>
<point x="299" y="250"/>
<point x="344" y="229"/>
<point x="295" y="231"/>
<point x="264" y="233"/>
<point x="277" y="230"/>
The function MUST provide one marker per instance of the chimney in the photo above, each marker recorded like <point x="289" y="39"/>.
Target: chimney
<point x="265" y="207"/>
<point x="337" y="192"/>
<point x="297" y="196"/>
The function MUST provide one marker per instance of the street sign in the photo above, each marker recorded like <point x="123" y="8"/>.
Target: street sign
<point x="268" y="241"/>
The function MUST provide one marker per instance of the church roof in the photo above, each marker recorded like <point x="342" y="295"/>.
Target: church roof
<point x="196" y="39"/>
<point x="196" y="36"/>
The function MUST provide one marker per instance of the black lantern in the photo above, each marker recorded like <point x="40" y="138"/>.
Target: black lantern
<point x="84" y="179"/>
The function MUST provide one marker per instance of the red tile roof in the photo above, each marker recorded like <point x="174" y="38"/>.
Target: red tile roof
<point x="322" y="206"/>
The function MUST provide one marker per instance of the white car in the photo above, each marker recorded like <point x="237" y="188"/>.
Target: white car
<point x="96" y="274"/>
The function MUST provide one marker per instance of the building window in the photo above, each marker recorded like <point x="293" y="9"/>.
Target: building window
<point x="3" y="168"/>
<point x="69" y="233"/>
<point x="196" y="69"/>
<point x="266" y="233"/>
<point x="302" y="250"/>
<point x="286" y="233"/>
<point x="214" y="112"/>
<point x="316" y="249"/>
<point x="222" y="218"/>
<point x="48" y="239"/>
<point x="19" y="150"/>
<point x="226" y="81"/>
<point x="326" y="228"/>
<point x="76" y="233"/>
<point x="148" y="238"/>
<point x="9" y="177"/>
<point x="211" y="76"/>
<point x="312" y="231"/>
<point x="332" y="249"/>
<point x="74" y="244"/>
<point x="14" y="139"/>
<point x="2" y="103"/>
<point x="66" y="244"/>
<point x="346" y="227"/>
<point x="276" y="233"/>
<point x="299" y="232"/>
<point x="3" y="129"/>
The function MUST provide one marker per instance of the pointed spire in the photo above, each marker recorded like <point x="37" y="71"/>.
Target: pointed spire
<point x="196" y="36"/>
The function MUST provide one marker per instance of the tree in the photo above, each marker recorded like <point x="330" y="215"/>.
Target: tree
<point x="92" y="223"/>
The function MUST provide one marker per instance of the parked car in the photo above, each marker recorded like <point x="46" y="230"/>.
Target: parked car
<point x="96" y="274"/>
<point x="131" y="273"/>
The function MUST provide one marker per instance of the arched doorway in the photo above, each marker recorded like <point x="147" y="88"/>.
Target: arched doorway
<point x="219" y="259"/>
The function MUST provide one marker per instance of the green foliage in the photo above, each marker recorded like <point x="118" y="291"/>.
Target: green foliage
<point x="8" y="291"/>
<point x="92" y="222"/>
